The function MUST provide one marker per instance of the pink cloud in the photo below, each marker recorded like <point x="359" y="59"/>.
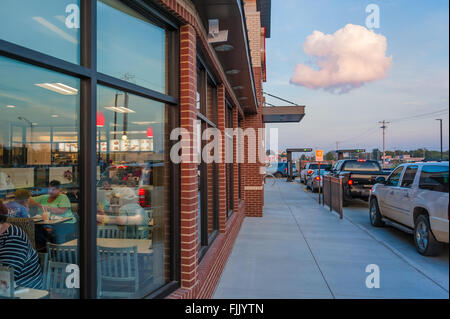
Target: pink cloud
<point x="345" y="60"/>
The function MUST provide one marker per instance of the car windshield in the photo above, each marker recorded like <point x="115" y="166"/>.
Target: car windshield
<point x="434" y="178"/>
<point x="361" y="166"/>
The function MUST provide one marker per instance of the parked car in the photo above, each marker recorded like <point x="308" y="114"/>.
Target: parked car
<point x="309" y="169"/>
<point x="358" y="177"/>
<point x="314" y="180"/>
<point x="415" y="199"/>
<point x="282" y="170"/>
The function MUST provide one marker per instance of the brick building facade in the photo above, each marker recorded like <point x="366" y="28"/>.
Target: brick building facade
<point x="92" y="92"/>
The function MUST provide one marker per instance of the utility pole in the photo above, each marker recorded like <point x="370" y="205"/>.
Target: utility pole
<point x="384" y="141"/>
<point x="440" y="120"/>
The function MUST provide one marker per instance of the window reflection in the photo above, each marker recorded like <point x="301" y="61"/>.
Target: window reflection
<point x="49" y="26"/>
<point x="39" y="178"/>
<point x="123" y="32"/>
<point x="132" y="194"/>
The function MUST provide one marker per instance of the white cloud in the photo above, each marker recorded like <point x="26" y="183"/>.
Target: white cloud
<point x="345" y="60"/>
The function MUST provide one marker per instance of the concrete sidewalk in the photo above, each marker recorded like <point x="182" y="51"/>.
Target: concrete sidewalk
<point x="300" y="250"/>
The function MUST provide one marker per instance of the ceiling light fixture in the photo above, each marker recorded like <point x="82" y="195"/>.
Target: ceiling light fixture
<point x="224" y="48"/>
<point x="119" y="109"/>
<point x="233" y="71"/>
<point x="55" y="115"/>
<point x="58" y="88"/>
<point x="11" y="106"/>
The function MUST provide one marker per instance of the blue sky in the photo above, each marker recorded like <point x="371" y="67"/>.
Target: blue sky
<point x="417" y="82"/>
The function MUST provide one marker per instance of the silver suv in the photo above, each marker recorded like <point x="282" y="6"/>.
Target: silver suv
<point x="415" y="199"/>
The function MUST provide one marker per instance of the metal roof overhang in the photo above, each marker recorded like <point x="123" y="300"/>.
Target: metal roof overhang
<point x="283" y="114"/>
<point x="265" y="7"/>
<point x="231" y="16"/>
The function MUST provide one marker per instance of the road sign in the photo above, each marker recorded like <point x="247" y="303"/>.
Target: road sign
<point x="319" y="155"/>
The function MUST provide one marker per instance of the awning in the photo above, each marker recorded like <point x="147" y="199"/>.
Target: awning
<point x="234" y="54"/>
<point x="283" y="114"/>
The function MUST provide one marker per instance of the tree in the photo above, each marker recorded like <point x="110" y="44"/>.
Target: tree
<point x="329" y="156"/>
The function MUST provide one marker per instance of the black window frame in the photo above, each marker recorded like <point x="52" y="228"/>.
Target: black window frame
<point x="206" y="78"/>
<point x="229" y="167"/>
<point x="89" y="78"/>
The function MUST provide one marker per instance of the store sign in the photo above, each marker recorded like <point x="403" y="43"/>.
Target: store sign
<point x="319" y="155"/>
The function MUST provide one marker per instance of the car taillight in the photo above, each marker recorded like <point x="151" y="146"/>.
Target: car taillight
<point x="317" y="178"/>
<point x="310" y="172"/>
<point x="350" y="182"/>
<point x="285" y="169"/>
<point x="361" y="160"/>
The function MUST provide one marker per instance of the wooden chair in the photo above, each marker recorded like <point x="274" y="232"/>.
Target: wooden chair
<point x="118" y="272"/>
<point x="27" y="226"/>
<point x="63" y="254"/>
<point x="55" y="281"/>
<point x="110" y="232"/>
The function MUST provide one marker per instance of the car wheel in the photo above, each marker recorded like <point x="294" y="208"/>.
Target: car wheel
<point x="424" y="239"/>
<point x="278" y="175"/>
<point x="374" y="214"/>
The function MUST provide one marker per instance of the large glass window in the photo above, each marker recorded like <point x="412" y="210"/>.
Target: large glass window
<point x="207" y="170"/>
<point x="39" y="178"/>
<point x="49" y="26"/>
<point x="229" y="163"/>
<point x="129" y="47"/>
<point x="133" y="209"/>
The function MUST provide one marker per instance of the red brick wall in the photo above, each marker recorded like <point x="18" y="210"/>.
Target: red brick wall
<point x="221" y="105"/>
<point x="189" y="180"/>
<point x="253" y="179"/>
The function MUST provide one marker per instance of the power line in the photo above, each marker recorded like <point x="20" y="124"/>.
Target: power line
<point x="417" y="116"/>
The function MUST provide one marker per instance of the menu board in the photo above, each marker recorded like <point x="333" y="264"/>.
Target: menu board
<point x="103" y="146"/>
<point x="124" y="145"/>
<point x="135" y="146"/>
<point x="114" y="145"/>
<point x="62" y="174"/>
<point x="147" y="145"/>
<point x="12" y="178"/>
<point x="68" y="147"/>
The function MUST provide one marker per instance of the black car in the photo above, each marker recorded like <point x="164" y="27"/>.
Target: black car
<point x="358" y="177"/>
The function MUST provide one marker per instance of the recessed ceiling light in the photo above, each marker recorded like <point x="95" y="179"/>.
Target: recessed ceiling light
<point x="224" y="47"/>
<point x="232" y="72"/>
<point x="11" y="106"/>
<point x="55" y="115"/>
<point x="238" y="87"/>
<point x="58" y="88"/>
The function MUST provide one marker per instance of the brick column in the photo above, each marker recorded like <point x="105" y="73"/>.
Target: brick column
<point x="235" y="162"/>
<point x="221" y="166"/>
<point x="253" y="179"/>
<point x="189" y="180"/>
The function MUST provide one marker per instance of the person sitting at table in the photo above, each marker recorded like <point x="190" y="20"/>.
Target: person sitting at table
<point x="131" y="214"/>
<point x="17" y="252"/>
<point x="57" y="204"/>
<point x="19" y="207"/>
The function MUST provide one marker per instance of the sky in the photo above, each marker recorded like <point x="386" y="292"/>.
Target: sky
<point x="400" y="72"/>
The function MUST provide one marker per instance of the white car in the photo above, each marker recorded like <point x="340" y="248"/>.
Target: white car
<point x="313" y="180"/>
<point x="309" y="169"/>
<point x="415" y="199"/>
